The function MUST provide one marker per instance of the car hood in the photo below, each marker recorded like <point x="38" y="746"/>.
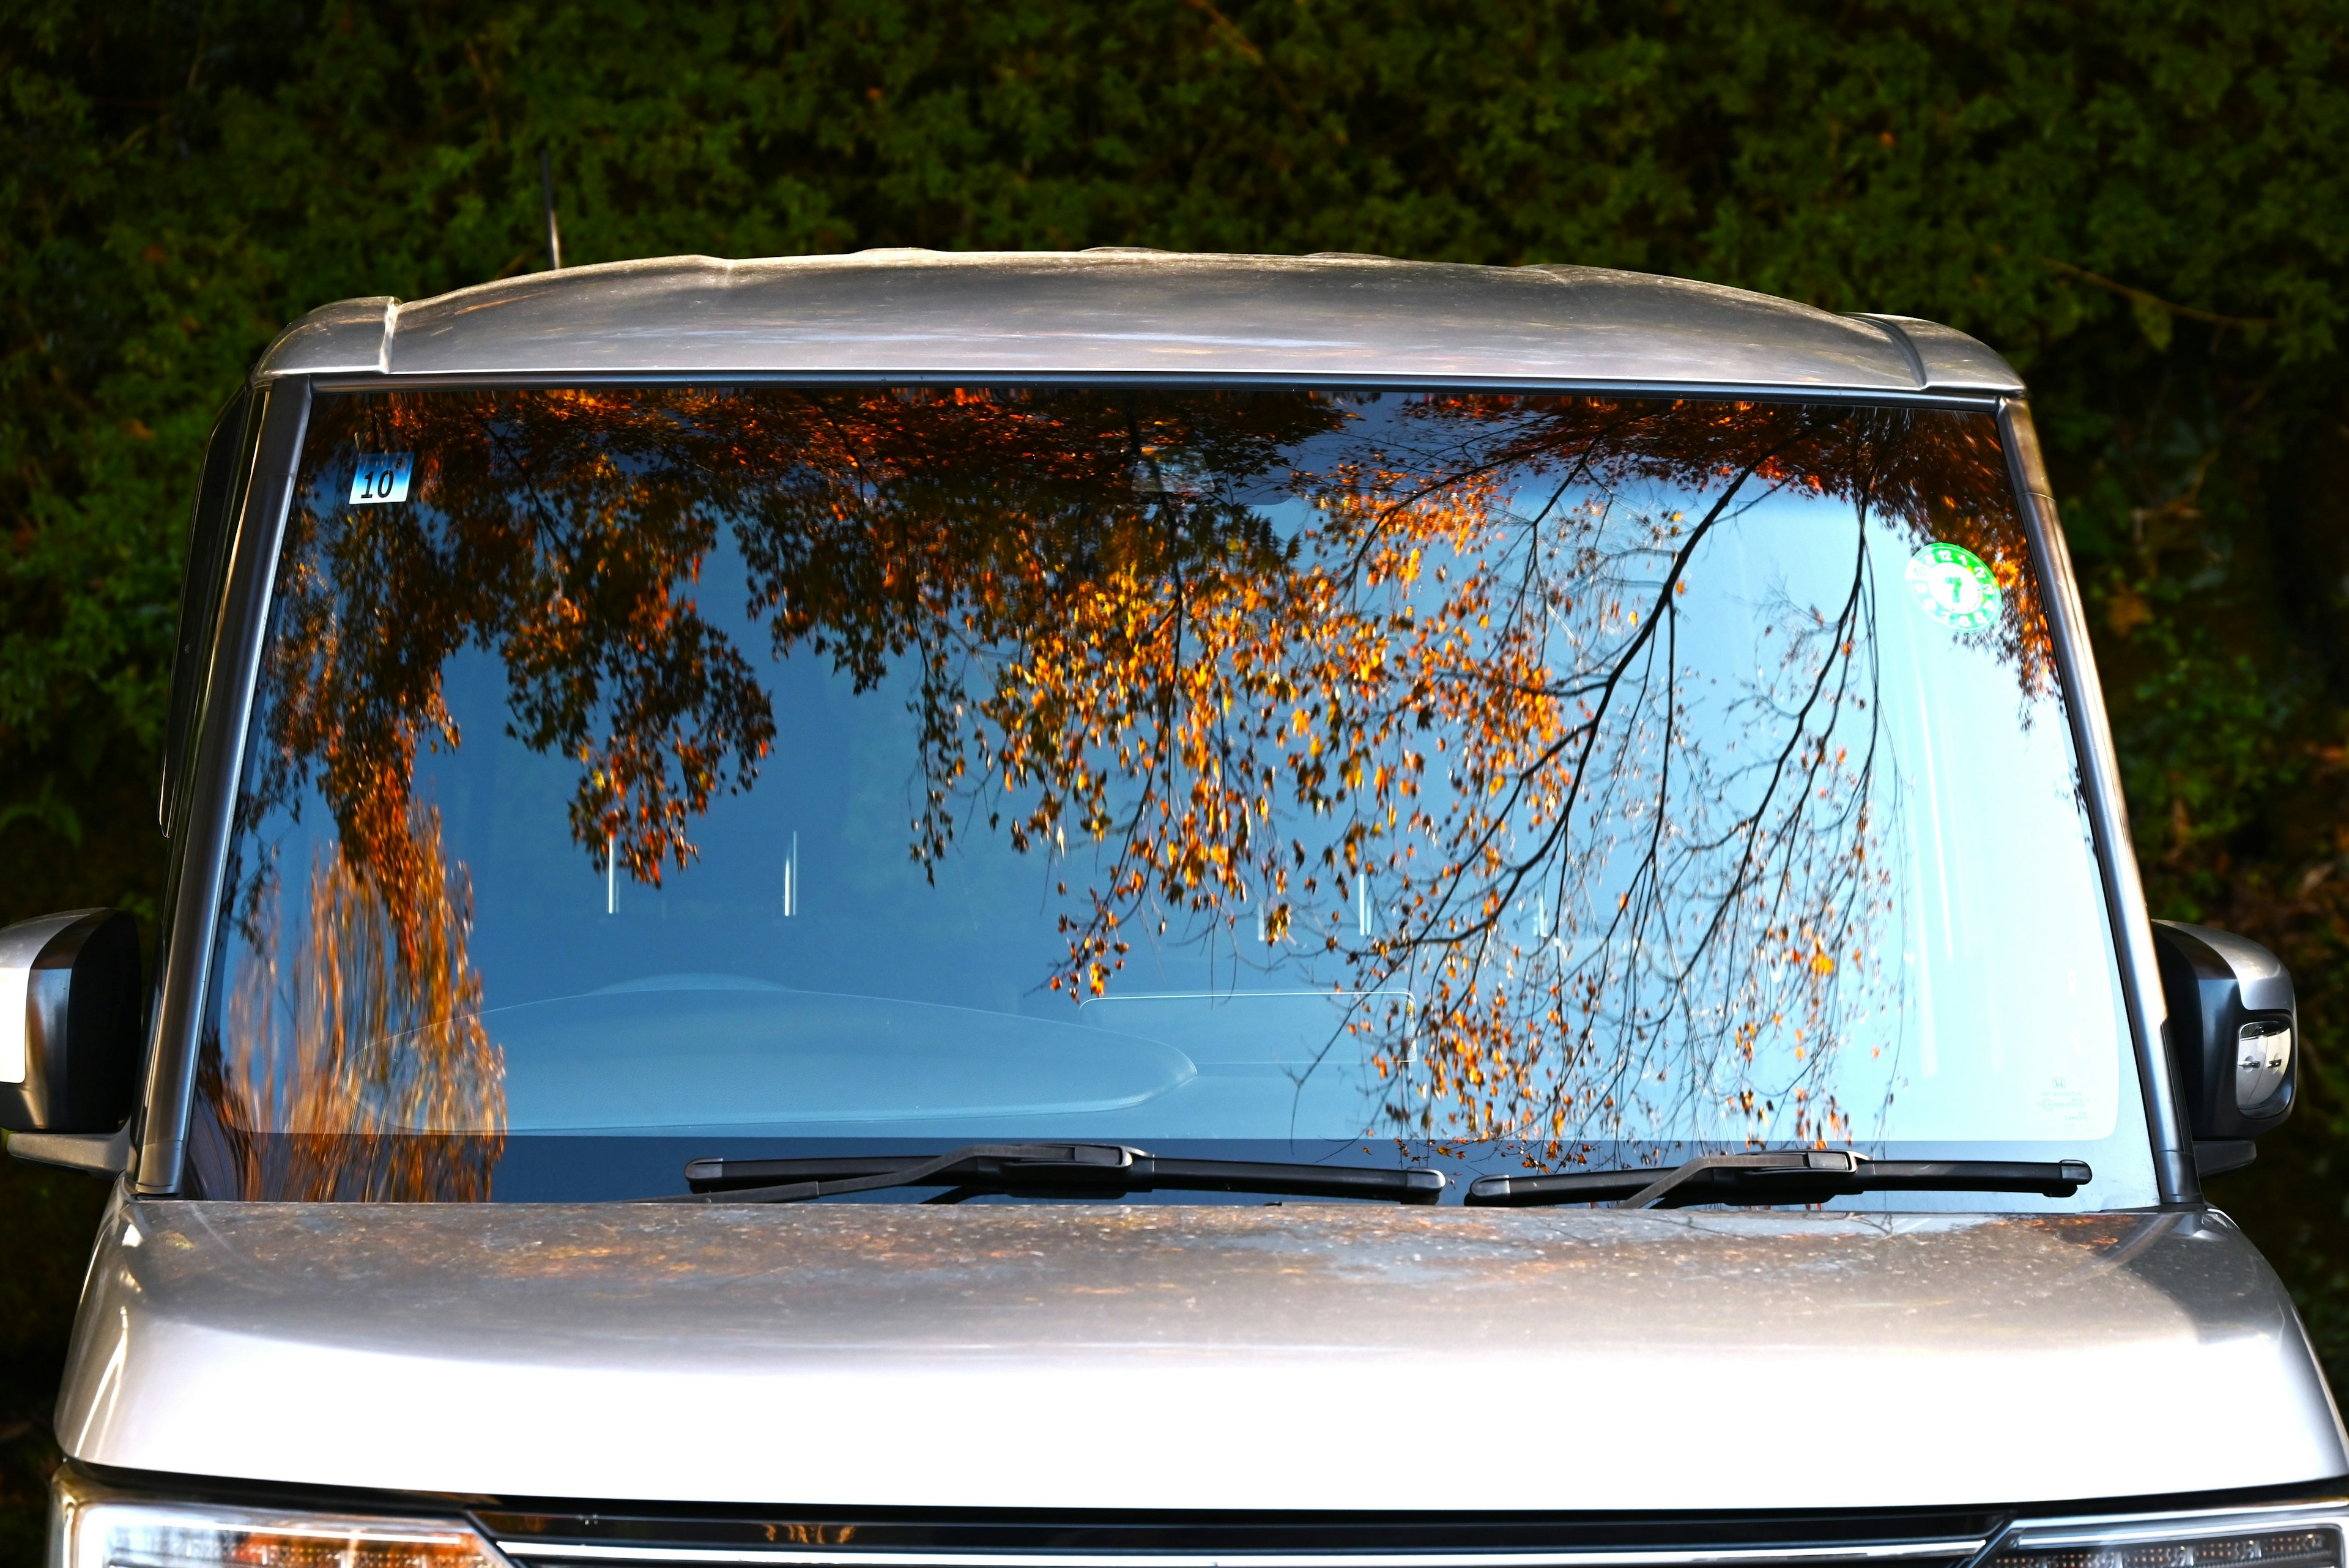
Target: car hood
<point x="1072" y="1355"/>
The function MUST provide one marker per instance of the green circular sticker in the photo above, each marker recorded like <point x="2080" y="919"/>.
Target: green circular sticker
<point x="1954" y="586"/>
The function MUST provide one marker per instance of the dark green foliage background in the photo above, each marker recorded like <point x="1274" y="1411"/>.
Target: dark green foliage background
<point x="2142" y="204"/>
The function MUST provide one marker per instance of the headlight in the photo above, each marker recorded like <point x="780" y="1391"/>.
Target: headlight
<point x="2272" y="1543"/>
<point x="91" y="1526"/>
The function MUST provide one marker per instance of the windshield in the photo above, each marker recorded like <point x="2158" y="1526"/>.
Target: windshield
<point x="641" y="775"/>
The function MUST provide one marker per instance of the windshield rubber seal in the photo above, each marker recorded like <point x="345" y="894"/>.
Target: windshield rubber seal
<point x="1979" y="401"/>
<point x="282" y="421"/>
<point x="2175" y="1178"/>
<point x="200" y="851"/>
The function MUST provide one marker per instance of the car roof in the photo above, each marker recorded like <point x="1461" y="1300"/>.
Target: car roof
<point x="1115" y="314"/>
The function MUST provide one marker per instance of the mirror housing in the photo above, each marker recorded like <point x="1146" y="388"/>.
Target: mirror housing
<point x="70" y="1010"/>
<point x="2234" y="1035"/>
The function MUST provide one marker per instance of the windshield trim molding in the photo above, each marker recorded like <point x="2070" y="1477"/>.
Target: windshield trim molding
<point x="2174" y="1177"/>
<point x="201" y="853"/>
<point x="1250" y="381"/>
<point x="259" y="530"/>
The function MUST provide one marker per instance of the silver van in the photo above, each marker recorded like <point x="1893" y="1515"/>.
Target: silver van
<point x="1493" y="904"/>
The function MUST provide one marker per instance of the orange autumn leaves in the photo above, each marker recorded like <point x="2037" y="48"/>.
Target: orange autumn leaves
<point x="1373" y="690"/>
<point x="353" y="1031"/>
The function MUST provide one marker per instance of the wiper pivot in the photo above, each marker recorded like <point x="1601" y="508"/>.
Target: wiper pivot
<point x="1105" y="1168"/>
<point x="1789" y="1176"/>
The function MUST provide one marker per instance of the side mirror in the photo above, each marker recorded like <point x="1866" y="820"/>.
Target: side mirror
<point x="70" y="1017"/>
<point x="2233" y="1028"/>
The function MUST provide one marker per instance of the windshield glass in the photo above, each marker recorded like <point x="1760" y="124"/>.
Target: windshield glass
<point x="1499" y="782"/>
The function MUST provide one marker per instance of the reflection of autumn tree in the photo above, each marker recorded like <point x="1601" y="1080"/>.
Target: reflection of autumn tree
<point x="1445" y="677"/>
<point x="566" y="530"/>
<point x="356" y="1067"/>
<point x="1463" y="706"/>
<point x="1608" y="916"/>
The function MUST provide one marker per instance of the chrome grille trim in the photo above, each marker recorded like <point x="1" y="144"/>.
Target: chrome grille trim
<point x="2025" y="1533"/>
<point x="1895" y="1551"/>
<point x="2199" y="1521"/>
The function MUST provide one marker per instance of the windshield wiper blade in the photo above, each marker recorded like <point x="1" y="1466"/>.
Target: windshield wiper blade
<point x="1792" y="1176"/>
<point x="1083" y="1167"/>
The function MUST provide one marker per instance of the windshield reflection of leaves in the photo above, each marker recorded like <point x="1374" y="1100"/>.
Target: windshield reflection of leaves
<point x="1459" y="679"/>
<point x="355" y="1067"/>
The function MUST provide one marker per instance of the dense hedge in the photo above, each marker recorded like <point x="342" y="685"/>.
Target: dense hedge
<point x="2146" y="206"/>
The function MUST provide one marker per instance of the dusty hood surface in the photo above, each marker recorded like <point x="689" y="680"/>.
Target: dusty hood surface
<point x="1193" y="1357"/>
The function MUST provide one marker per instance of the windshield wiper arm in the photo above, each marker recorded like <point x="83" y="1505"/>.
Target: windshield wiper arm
<point x="1792" y="1176"/>
<point x="1089" y="1168"/>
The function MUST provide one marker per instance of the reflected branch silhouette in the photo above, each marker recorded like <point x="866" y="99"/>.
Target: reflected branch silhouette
<point x="1368" y="676"/>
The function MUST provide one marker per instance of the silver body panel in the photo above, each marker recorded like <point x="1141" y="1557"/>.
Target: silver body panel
<point x="925" y="315"/>
<point x="1190" y="1357"/>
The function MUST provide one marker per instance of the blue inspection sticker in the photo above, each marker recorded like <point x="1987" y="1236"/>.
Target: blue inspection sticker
<point x="1954" y="587"/>
<point x="382" y="479"/>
